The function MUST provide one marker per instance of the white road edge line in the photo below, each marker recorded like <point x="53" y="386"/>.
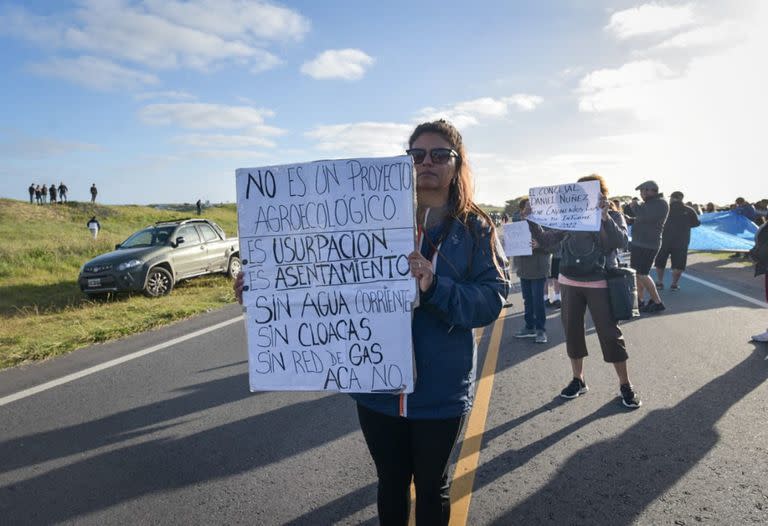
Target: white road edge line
<point x="111" y="363"/>
<point x="727" y="291"/>
<point x="138" y="354"/>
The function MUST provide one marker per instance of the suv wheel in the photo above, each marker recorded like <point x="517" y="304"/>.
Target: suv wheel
<point x="234" y="267"/>
<point x="159" y="282"/>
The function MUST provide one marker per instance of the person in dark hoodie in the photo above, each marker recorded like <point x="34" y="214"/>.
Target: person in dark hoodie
<point x="533" y="271"/>
<point x="759" y="255"/>
<point x="462" y="284"/>
<point x="647" y="227"/>
<point x="675" y="240"/>
<point x="585" y="260"/>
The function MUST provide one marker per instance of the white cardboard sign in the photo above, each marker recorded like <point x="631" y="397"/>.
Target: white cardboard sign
<point x="517" y="239"/>
<point x="573" y="206"/>
<point x="329" y="294"/>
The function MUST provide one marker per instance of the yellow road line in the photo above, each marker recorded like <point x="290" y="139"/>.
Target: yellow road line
<point x="412" y="517"/>
<point x="469" y="457"/>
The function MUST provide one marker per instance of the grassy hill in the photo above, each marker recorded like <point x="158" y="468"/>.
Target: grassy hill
<point x="42" y="311"/>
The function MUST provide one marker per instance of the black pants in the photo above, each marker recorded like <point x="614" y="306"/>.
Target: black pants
<point x="403" y="448"/>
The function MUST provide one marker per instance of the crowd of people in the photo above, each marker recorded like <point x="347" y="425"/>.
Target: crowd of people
<point x="463" y="285"/>
<point x="43" y="194"/>
<point x="661" y="234"/>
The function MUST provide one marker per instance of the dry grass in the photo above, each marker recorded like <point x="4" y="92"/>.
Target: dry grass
<point x="42" y="311"/>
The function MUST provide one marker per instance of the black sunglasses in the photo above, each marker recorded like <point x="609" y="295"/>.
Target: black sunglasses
<point x="438" y="155"/>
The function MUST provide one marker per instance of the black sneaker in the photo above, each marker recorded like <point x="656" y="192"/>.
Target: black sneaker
<point x="674" y="287"/>
<point x="641" y="306"/>
<point x="556" y="304"/>
<point x="628" y="396"/>
<point x="547" y="303"/>
<point x="575" y="388"/>
<point x="653" y="307"/>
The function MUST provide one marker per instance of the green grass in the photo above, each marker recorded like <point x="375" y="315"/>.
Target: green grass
<point x="42" y="311"/>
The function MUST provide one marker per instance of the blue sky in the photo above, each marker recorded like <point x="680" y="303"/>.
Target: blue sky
<point x="161" y="100"/>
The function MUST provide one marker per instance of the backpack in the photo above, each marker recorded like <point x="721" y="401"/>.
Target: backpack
<point x="582" y="255"/>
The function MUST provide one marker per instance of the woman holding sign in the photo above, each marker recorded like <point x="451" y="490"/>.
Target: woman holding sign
<point x="462" y="285"/>
<point x="585" y="257"/>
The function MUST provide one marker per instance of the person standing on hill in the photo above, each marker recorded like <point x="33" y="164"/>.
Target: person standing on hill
<point x="675" y="240"/>
<point x="94" y="192"/>
<point x="199" y="206"/>
<point x="31" y="193"/>
<point x="52" y="193"/>
<point x="94" y="226"/>
<point x="647" y="227"/>
<point x="63" y="193"/>
<point x="44" y="193"/>
<point x="38" y="195"/>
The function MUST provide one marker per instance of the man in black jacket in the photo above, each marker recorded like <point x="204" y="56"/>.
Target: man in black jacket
<point x="647" y="227"/>
<point x="675" y="239"/>
<point x="759" y="255"/>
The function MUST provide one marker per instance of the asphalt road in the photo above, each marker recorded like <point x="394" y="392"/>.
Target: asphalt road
<point x="174" y="436"/>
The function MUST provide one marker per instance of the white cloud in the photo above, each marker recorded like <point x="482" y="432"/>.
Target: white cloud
<point x="362" y="139"/>
<point x="700" y="127"/>
<point x="713" y="35"/>
<point x="234" y="18"/>
<point x="174" y="95"/>
<point x="95" y="73"/>
<point x="347" y="64"/>
<point x="208" y="116"/>
<point x="386" y="138"/>
<point x="198" y="34"/>
<point x="471" y="112"/>
<point x="523" y="101"/>
<point x="633" y="87"/>
<point x="649" y="18"/>
<point x="224" y="141"/>
<point x="145" y="38"/>
<point x="234" y="155"/>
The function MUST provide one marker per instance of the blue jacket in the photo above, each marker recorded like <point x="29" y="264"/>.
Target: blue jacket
<point x="468" y="292"/>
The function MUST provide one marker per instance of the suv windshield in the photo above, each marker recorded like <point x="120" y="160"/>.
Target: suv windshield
<point x="149" y="237"/>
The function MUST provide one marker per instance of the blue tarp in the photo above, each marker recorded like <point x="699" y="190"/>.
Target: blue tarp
<point x="722" y="232"/>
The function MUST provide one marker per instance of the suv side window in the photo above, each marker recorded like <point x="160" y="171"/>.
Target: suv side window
<point x="190" y="235"/>
<point x="209" y="234"/>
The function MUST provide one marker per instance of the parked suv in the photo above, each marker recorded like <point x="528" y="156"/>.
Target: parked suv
<point x="155" y="258"/>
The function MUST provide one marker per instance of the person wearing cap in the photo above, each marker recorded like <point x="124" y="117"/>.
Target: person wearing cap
<point x="647" y="228"/>
<point x="675" y="239"/>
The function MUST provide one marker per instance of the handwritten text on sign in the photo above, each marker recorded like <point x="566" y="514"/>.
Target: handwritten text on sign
<point x="328" y="296"/>
<point x="573" y="206"/>
<point x="517" y="239"/>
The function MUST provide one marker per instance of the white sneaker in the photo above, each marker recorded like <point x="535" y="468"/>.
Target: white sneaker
<point x="760" y="337"/>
